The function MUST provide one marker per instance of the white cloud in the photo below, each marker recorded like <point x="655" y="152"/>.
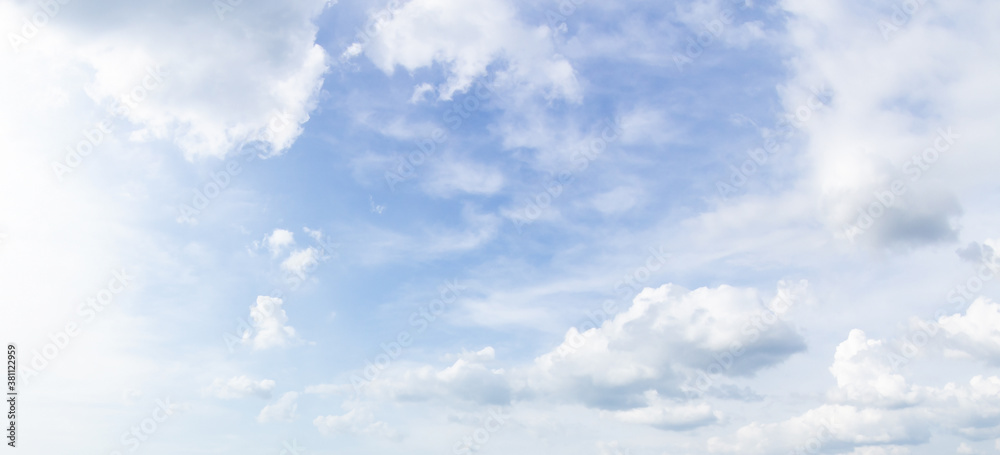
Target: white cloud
<point x="300" y="262"/>
<point x="453" y="177"/>
<point x="977" y="332"/>
<point x="469" y="379"/>
<point x="618" y="200"/>
<point x="279" y="240"/>
<point x="358" y="421"/>
<point x="241" y="387"/>
<point x="465" y="38"/>
<point x="884" y="121"/>
<point x="880" y="409"/>
<point x="281" y="410"/>
<point x="863" y="377"/>
<point x="667" y="333"/>
<point x="218" y="86"/>
<point x="667" y="415"/>
<point x="269" y="329"/>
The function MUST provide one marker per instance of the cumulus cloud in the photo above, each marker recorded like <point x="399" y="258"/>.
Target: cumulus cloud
<point x="283" y="409"/>
<point x="632" y="368"/>
<point x="269" y="329"/>
<point x="864" y="377"/>
<point x="875" y="410"/>
<point x="667" y="334"/>
<point x="977" y="332"/>
<point x="210" y="89"/>
<point x="241" y="387"/>
<point x="465" y="38"/>
<point x="278" y="240"/>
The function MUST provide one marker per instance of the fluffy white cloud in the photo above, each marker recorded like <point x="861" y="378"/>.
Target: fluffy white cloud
<point x="283" y="409"/>
<point x="210" y="88"/>
<point x="668" y="334"/>
<point x="269" y="329"/>
<point x="278" y="240"/>
<point x="877" y="408"/>
<point x="977" y="332"/>
<point x="241" y="387"/>
<point x="897" y="152"/>
<point x="864" y="377"/>
<point x="465" y="38"/>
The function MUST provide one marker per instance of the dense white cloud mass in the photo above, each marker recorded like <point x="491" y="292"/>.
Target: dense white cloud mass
<point x="212" y="86"/>
<point x="889" y="173"/>
<point x="664" y="340"/>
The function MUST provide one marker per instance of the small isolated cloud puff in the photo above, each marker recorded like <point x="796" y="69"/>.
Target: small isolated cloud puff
<point x="301" y="261"/>
<point x="269" y="329"/>
<point x="241" y="387"/>
<point x="279" y="240"/>
<point x="281" y="410"/>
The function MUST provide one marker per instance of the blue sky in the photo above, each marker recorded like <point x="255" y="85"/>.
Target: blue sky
<point x="445" y="226"/>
